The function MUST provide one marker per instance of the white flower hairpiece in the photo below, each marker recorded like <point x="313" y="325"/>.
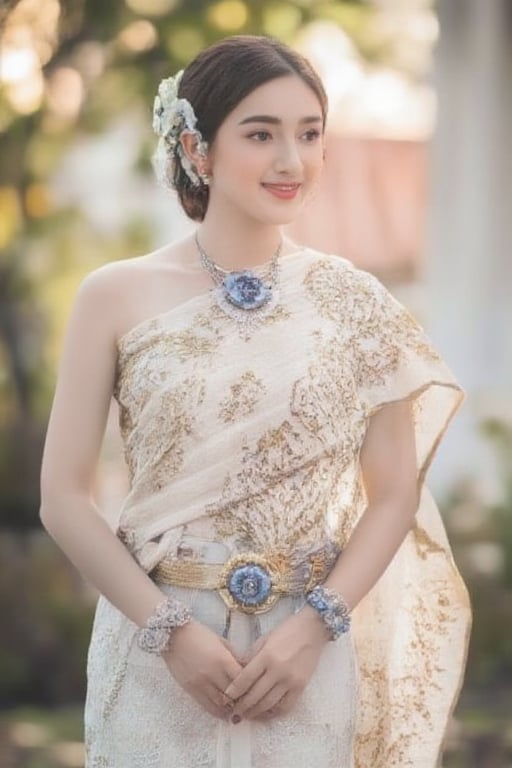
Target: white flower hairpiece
<point x="173" y="116"/>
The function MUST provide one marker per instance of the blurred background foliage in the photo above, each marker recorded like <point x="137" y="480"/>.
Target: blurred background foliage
<point x="70" y="70"/>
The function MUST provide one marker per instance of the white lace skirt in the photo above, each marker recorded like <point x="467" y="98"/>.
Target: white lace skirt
<point x="137" y="716"/>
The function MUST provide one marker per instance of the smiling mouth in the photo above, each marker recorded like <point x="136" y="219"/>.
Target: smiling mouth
<point x="286" y="191"/>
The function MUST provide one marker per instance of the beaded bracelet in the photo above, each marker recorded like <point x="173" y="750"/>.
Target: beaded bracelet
<point x="332" y="609"/>
<point x="156" y="636"/>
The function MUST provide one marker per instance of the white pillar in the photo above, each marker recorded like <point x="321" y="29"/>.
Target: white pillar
<point x="469" y="264"/>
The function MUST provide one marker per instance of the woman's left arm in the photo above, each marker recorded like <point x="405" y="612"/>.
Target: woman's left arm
<point x="388" y="463"/>
<point x="282" y="663"/>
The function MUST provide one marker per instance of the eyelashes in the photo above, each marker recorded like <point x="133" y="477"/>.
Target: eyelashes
<point x="313" y="134"/>
<point x="264" y="136"/>
<point x="261" y="136"/>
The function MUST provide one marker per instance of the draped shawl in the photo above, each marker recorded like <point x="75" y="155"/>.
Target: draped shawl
<point x="256" y="442"/>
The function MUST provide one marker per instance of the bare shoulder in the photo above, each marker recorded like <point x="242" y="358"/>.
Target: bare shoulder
<point x="101" y="294"/>
<point x="112" y="280"/>
<point x="121" y="293"/>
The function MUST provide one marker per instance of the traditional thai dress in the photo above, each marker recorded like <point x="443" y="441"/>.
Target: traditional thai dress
<point x="242" y="443"/>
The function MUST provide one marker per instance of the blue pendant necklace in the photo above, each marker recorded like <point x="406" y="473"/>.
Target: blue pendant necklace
<point x="244" y="295"/>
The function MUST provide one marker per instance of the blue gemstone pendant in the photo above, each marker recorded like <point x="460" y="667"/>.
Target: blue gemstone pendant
<point x="245" y="290"/>
<point x="243" y="295"/>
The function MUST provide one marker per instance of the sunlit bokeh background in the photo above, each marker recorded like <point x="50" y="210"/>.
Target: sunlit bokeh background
<point x="417" y="189"/>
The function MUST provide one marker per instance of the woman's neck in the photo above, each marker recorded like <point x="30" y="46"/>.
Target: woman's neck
<point x="239" y="245"/>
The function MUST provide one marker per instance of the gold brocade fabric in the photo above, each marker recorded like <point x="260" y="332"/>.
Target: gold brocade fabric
<point x="255" y="443"/>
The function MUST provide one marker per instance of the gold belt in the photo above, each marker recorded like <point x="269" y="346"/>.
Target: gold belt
<point x="251" y="582"/>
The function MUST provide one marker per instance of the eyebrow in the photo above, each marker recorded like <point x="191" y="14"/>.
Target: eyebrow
<point x="277" y="121"/>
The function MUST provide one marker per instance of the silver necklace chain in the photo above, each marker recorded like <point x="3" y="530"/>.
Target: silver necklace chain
<point x="219" y="274"/>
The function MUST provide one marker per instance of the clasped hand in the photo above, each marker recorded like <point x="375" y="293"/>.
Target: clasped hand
<point x="265" y="683"/>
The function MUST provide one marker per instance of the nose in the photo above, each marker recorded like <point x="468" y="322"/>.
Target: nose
<point x="288" y="159"/>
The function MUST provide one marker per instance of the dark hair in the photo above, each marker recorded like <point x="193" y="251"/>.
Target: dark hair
<point x="219" y="78"/>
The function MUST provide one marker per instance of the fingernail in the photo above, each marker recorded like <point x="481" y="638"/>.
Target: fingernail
<point x="236" y="719"/>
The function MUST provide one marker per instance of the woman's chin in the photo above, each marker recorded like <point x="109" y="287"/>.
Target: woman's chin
<point x="285" y="216"/>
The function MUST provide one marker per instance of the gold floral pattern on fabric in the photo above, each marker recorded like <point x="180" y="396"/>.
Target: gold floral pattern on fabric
<point x="244" y="395"/>
<point x="277" y="315"/>
<point x="141" y="350"/>
<point x="397" y="728"/>
<point x="327" y="397"/>
<point x="376" y="327"/>
<point x="158" y="445"/>
<point x="242" y="510"/>
<point x="276" y="471"/>
<point x="425" y="544"/>
<point x="254" y="444"/>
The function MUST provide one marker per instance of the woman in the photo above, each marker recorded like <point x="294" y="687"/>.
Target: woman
<point x="279" y="410"/>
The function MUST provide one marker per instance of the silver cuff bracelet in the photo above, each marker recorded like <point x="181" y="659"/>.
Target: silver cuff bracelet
<point x="156" y="636"/>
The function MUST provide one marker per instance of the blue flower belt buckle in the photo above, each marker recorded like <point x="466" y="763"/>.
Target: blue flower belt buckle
<point x="247" y="583"/>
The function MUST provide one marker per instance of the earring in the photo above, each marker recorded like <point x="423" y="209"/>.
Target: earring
<point x="205" y="178"/>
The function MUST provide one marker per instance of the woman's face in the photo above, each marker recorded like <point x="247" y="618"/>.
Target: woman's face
<point x="268" y="153"/>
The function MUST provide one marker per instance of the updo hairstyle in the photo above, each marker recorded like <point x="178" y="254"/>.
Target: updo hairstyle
<point x="217" y="80"/>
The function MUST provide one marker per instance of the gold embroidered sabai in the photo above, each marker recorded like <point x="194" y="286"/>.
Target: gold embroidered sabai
<point x="253" y="444"/>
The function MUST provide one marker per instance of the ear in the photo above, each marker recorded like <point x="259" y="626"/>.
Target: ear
<point x="196" y="151"/>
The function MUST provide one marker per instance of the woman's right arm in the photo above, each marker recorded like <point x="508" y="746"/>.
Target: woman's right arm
<point x="201" y="662"/>
<point x="73" y="442"/>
